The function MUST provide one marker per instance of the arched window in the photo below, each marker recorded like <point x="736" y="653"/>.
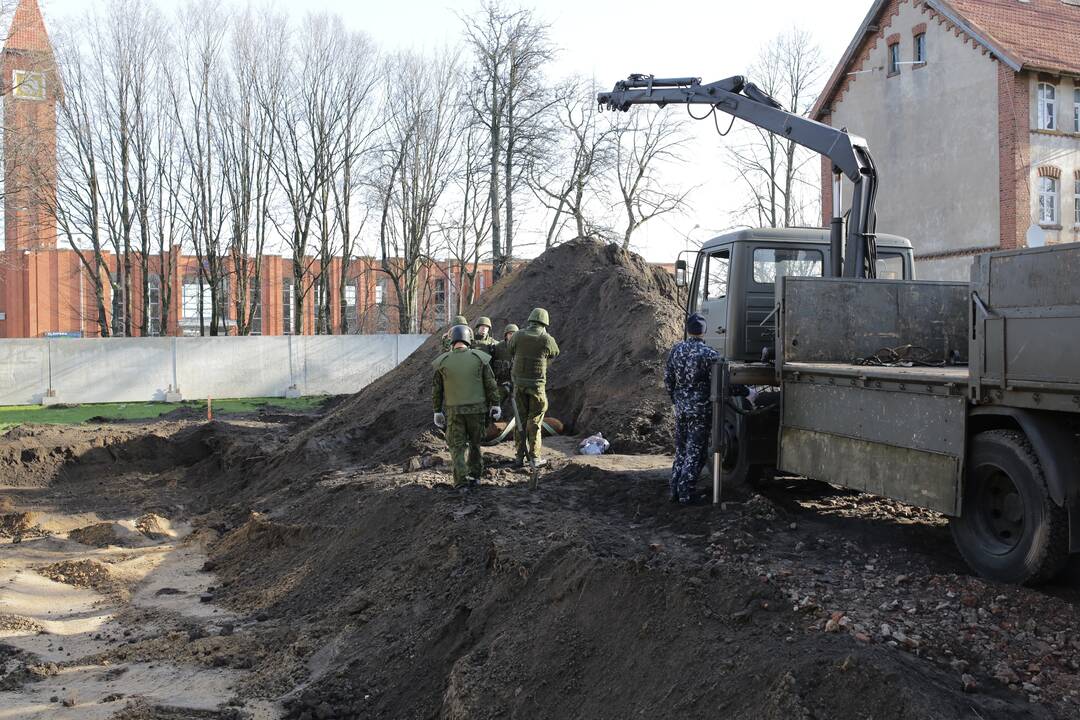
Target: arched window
<point x="1048" y="200"/>
<point x="1047" y="106"/>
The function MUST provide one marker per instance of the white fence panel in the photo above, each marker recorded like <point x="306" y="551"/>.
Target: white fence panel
<point x="92" y="370"/>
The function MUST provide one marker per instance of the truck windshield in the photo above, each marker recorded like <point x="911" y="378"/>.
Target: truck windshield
<point x="771" y="263"/>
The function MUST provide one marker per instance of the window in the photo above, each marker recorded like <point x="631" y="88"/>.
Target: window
<point x="349" y="310"/>
<point x="381" y="286"/>
<point x="28" y="85"/>
<point x="480" y="279"/>
<point x="1076" y="110"/>
<point x="894" y="58"/>
<point x="440" y="300"/>
<point x="890" y="266"/>
<point x="153" y="305"/>
<point x="1048" y="201"/>
<point x="1047" y="106"/>
<point x="117" y="304"/>
<point x="1076" y="202"/>
<point x="255" y="305"/>
<point x="190" y="299"/>
<point x="771" y="263"/>
<point x="920" y="48"/>
<point x="288" y="300"/>
<point x="713" y="283"/>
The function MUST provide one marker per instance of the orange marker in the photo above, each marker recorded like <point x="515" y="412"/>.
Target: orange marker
<point x="209" y="409"/>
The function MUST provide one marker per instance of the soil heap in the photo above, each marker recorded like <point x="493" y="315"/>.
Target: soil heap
<point x="614" y="317"/>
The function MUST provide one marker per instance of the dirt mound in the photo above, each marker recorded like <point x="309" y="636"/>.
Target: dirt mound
<point x="614" y="316"/>
<point x="154" y="527"/>
<point x="20" y="525"/>
<point x="36" y="456"/>
<point x="103" y="534"/>
<point x="84" y="574"/>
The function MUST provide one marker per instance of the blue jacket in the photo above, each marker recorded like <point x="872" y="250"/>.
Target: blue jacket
<point x="688" y="375"/>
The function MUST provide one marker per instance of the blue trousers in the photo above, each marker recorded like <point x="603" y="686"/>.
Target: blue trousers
<point x="691" y="451"/>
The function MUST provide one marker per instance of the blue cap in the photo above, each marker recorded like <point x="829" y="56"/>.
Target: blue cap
<point x="695" y="324"/>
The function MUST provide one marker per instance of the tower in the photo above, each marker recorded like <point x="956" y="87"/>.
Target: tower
<point x="30" y="87"/>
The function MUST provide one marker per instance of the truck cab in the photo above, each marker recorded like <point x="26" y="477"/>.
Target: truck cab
<point x="734" y="276"/>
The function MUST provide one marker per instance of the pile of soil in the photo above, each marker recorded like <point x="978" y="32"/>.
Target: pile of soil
<point x="85" y="573"/>
<point x="614" y="316"/>
<point x="593" y="598"/>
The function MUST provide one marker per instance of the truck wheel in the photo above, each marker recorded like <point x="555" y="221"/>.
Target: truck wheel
<point x="1009" y="528"/>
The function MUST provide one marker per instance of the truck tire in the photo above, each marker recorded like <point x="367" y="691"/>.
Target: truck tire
<point x="1009" y="529"/>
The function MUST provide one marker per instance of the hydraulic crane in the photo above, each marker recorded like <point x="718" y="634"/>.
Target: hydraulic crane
<point x="849" y="153"/>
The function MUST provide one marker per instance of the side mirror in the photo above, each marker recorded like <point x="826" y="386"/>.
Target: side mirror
<point x="680" y="273"/>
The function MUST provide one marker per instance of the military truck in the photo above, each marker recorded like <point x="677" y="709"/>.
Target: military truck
<point x="836" y="364"/>
<point x="963" y="398"/>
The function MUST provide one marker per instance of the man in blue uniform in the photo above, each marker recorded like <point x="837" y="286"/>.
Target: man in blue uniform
<point x="688" y="377"/>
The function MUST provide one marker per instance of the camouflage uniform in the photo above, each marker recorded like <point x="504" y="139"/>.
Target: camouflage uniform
<point x="688" y="378"/>
<point x="532" y="349"/>
<point x="501" y="359"/>
<point x="464" y="382"/>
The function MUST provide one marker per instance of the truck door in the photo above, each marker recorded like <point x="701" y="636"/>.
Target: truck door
<point x="711" y="295"/>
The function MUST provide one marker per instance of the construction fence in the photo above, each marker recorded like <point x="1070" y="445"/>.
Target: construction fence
<point x="74" y="370"/>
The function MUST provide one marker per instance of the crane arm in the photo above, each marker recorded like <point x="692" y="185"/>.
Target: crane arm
<point x="735" y="96"/>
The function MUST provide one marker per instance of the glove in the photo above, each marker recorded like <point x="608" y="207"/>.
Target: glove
<point x="440" y="420"/>
<point x="496" y="412"/>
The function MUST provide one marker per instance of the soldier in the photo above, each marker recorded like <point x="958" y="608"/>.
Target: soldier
<point x="501" y="358"/>
<point x="532" y="349"/>
<point x="458" y="320"/>
<point x="483" y="340"/>
<point x="465" y="386"/>
<point x="687" y="377"/>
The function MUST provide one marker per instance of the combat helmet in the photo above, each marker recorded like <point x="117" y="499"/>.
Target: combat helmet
<point x="539" y="316"/>
<point x="461" y="333"/>
<point x="483" y="320"/>
<point x="511" y="328"/>
<point x="460" y="320"/>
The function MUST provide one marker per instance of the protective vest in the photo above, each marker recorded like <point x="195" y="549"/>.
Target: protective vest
<point x="463" y="377"/>
<point x="532" y="348"/>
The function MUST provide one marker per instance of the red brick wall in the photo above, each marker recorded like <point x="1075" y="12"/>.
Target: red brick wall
<point x="1014" y="160"/>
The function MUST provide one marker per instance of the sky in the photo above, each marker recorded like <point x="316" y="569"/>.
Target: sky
<point x="607" y="40"/>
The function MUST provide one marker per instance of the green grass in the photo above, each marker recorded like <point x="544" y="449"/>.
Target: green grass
<point x="10" y="416"/>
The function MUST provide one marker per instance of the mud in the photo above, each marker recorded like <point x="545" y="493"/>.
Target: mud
<point x="323" y="568"/>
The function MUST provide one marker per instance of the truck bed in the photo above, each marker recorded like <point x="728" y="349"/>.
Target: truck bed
<point x="957" y="375"/>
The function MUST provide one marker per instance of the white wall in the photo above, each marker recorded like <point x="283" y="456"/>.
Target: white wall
<point x="1058" y="148"/>
<point x="143" y="369"/>
<point x="933" y="132"/>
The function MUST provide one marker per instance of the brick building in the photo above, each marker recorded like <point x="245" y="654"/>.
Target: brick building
<point x="971" y="109"/>
<point x="45" y="289"/>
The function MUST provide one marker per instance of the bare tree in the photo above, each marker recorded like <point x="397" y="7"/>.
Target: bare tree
<point x="77" y="203"/>
<point x="644" y="143"/>
<point x="419" y="163"/>
<point x="569" y="182"/>
<point x="467" y="228"/>
<point x="205" y="211"/>
<point x="360" y="121"/>
<point x="508" y="96"/>
<point x="781" y="192"/>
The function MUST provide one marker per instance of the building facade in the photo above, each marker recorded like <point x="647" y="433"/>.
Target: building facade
<point x="47" y="290"/>
<point x="971" y="109"/>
